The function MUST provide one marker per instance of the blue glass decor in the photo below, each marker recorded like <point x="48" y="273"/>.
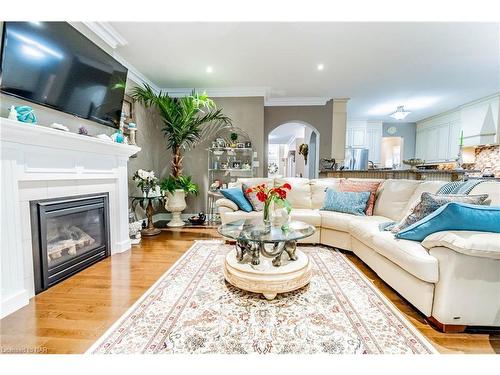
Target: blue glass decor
<point x="26" y="114"/>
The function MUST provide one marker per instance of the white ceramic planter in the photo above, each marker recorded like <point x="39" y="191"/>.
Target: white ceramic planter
<point x="176" y="203"/>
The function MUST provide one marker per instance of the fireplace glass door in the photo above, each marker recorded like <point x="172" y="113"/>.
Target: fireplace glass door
<point x="68" y="235"/>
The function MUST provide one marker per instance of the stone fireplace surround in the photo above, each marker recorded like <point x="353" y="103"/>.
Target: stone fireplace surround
<point x="39" y="163"/>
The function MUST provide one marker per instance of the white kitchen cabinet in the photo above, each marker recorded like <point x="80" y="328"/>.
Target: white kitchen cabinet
<point x="365" y="134"/>
<point x="438" y="141"/>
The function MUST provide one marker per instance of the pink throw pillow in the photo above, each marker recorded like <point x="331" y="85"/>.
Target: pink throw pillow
<point x="359" y="186"/>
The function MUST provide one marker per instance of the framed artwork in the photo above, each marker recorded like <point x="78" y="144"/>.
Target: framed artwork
<point x="128" y="109"/>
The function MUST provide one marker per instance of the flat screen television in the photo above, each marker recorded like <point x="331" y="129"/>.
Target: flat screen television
<point x="53" y="64"/>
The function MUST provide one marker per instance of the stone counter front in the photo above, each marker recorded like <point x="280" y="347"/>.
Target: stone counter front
<point x="430" y="175"/>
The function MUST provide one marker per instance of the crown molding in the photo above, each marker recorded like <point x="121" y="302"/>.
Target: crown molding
<point x="295" y="101"/>
<point x="221" y="92"/>
<point x="134" y="74"/>
<point x="107" y="33"/>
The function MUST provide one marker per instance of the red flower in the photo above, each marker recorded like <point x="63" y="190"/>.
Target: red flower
<point x="261" y="196"/>
<point x="287" y="186"/>
<point x="248" y="191"/>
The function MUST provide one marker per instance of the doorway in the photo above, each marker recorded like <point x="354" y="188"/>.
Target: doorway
<point x="293" y="150"/>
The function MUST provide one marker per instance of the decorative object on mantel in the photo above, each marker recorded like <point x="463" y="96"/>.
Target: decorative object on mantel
<point x="304" y="151"/>
<point x="58" y="126"/>
<point x="26" y="114"/>
<point x="132" y="128"/>
<point x="117" y="136"/>
<point x="413" y="163"/>
<point x="82" y="130"/>
<point x="13" y="113"/>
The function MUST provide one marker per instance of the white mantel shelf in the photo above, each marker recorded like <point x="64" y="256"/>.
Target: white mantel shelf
<point x="39" y="162"/>
<point x="38" y="135"/>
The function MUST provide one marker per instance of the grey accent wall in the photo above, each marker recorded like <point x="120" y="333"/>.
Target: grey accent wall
<point x="320" y="117"/>
<point x="407" y="130"/>
<point x="247" y="113"/>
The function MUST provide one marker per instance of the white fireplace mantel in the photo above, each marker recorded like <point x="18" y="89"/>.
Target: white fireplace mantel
<point x="38" y="162"/>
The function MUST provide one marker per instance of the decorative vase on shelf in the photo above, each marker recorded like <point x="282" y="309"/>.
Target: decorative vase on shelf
<point x="176" y="203"/>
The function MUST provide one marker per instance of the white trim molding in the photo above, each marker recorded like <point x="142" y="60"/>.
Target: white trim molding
<point x="134" y="74"/>
<point x="219" y="92"/>
<point x="295" y="101"/>
<point x="107" y="33"/>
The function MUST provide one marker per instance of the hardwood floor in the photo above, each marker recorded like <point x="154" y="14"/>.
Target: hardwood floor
<point x="70" y="316"/>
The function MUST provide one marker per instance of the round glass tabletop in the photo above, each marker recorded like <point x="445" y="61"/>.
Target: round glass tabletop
<point x="254" y="230"/>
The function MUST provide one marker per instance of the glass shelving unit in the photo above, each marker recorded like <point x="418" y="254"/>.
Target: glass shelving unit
<point x="230" y="156"/>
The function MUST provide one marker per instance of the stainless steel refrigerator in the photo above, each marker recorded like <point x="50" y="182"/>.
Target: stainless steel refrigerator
<point x="356" y="159"/>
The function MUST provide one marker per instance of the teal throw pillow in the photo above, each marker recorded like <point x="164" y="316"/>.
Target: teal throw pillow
<point x="454" y="216"/>
<point x="236" y="195"/>
<point x="346" y="201"/>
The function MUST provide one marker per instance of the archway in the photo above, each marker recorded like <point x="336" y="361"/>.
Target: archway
<point x="283" y="150"/>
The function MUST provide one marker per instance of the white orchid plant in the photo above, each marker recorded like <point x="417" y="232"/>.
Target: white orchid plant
<point x="146" y="180"/>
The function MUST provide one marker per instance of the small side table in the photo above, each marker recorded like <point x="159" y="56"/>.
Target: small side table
<point x="150" y="230"/>
<point x="212" y="196"/>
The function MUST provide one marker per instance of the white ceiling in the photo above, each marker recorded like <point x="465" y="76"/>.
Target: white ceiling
<point x="428" y="67"/>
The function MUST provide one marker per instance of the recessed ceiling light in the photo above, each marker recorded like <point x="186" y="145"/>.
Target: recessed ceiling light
<point x="209" y="69"/>
<point x="320" y="67"/>
<point x="400" y="113"/>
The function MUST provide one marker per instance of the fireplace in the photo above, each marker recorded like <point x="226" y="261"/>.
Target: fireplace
<point x="68" y="235"/>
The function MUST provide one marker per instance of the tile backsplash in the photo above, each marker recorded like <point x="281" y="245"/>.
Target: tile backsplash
<point x="488" y="156"/>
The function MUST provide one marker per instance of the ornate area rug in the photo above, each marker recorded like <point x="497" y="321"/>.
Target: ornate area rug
<point x="192" y="309"/>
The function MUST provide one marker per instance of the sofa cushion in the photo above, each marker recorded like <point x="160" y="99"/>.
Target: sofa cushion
<point x="479" y="244"/>
<point x="431" y="202"/>
<point x="409" y="255"/>
<point x="318" y="190"/>
<point x="236" y="195"/>
<point x="393" y="197"/>
<point x="251" y="196"/>
<point x="359" y="186"/>
<point x="300" y="195"/>
<point x="491" y="188"/>
<point x="311" y="217"/>
<point x="341" y="222"/>
<point x="224" y="202"/>
<point x="349" y="202"/>
<point x="423" y="187"/>
<point x="454" y="216"/>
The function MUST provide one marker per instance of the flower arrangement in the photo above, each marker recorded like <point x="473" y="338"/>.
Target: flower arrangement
<point x="268" y="195"/>
<point x="146" y="180"/>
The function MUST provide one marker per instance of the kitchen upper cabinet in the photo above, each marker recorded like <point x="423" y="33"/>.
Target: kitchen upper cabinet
<point x="365" y="134"/>
<point x="438" y="139"/>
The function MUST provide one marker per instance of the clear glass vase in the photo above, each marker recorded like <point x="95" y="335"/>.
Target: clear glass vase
<point x="266" y="216"/>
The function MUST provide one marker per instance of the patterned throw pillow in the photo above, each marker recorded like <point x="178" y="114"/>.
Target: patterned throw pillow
<point x="372" y="187"/>
<point x="347" y="202"/>
<point x="252" y="198"/>
<point x="431" y="202"/>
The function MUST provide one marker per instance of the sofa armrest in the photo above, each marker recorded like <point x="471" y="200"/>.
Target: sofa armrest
<point x="478" y="244"/>
<point x="224" y="202"/>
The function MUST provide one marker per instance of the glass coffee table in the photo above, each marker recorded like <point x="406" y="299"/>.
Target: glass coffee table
<point x="258" y="262"/>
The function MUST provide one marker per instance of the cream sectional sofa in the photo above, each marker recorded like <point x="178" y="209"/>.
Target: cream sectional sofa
<point x="451" y="277"/>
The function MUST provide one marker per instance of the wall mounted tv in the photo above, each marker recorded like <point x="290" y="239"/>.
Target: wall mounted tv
<point x="53" y="64"/>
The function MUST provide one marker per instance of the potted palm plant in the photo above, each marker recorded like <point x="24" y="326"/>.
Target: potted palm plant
<point x="186" y="121"/>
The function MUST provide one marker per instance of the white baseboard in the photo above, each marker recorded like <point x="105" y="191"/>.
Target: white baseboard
<point x="120" y="247"/>
<point x="13" y="303"/>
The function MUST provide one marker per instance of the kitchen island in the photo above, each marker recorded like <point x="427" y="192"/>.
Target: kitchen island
<point x="422" y="174"/>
